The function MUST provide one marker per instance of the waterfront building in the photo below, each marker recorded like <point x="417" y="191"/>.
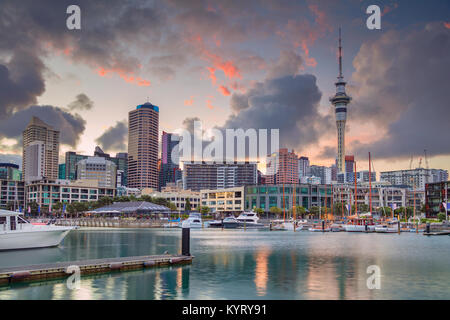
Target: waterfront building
<point x="224" y="201"/>
<point x="282" y="167"/>
<point x="176" y="196"/>
<point x="121" y="162"/>
<point x="436" y="194"/>
<point x="340" y="101"/>
<point x="12" y="194"/>
<point x="131" y="208"/>
<point x="306" y="195"/>
<point x="48" y="192"/>
<point x="10" y="171"/>
<point x="143" y="126"/>
<point x="40" y="151"/>
<point x="169" y="168"/>
<point x="361" y="176"/>
<point x="418" y="196"/>
<point x="303" y="167"/>
<point x="198" y="176"/>
<point x="97" y="168"/>
<point x="418" y="177"/>
<point x="311" y="180"/>
<point x="382" y="195"/>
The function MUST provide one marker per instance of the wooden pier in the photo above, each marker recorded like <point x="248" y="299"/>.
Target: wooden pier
<point x="60" y="269"/>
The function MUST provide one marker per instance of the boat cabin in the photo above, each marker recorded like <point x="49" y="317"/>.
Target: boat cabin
<point x="11" y="221"/>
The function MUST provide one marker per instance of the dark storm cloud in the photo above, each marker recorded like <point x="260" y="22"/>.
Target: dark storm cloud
<point x="115" y="137"/>
<point x="288" y="103"/>
<point x="403" y="87"/>
<point x="82" y="102"/>
<point x="71" y="126"/>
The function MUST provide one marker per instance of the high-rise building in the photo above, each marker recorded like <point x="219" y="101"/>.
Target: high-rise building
<point x="417" y="178"/>
<point x="282" y="167"/>
<point x="340" y="102"/>
<point x="71" y="160"/>
<point x="199" y="176"/>
<point x="169" y="168"/>
<point x="40" y="150"/>
<point x="10" y="171"/>
<point x="324" y="173"/>
<point x="97" y="168"/>
<point x="303" y="167"/>
<point x="62" y="171"/>
<point x="143" y="126"/>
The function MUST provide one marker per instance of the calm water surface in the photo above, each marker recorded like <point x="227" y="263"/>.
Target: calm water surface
<point x="238" y="264"/>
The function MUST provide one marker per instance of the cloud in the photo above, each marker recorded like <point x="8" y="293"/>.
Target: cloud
<point x="288" y="64"/>
<point x="82" y="102"/>
<point x="115" y="137"/>
<point x="70" y="126"/>
<point x="289" y="103"/>
<point x="402" y="88"/>
<point x="224" y="90"/>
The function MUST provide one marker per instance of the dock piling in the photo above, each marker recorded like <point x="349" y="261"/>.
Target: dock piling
<point x="185" y="241"/>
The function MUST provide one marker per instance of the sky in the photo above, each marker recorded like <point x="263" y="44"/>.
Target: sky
<point x="232" y="64"/>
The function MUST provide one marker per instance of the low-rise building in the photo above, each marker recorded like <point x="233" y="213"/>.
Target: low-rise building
<point x="226" y="201"/>
<point x="12" y="194"/>
<point x="176" y="196"/>
<point x="306" y="195"/>
<point x="48" y="192"/>
<point x="436" y="195"/>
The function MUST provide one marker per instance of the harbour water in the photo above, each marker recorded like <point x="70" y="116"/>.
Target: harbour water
<point x="251" y="264"/>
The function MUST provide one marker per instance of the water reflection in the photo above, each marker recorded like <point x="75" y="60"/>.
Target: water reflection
<point x="234" y="264"/>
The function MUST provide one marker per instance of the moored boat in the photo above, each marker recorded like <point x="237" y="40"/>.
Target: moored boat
<point x="18" y="233"/>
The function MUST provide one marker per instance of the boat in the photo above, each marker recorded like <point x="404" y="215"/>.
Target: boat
<point x="244" y="220"/>
<point x="18" y="233"/>
<point x="194" y="221"/>
<point x="319" y="229"/>
<point x="281" y="225"/>
<point x="390" y="227"/>
<point x="362" y="223"/>
<point x="172" y="223"/>
<point x="336" y="227"/>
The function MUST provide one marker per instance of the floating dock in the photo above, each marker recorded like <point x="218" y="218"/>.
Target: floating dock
<point x="60" y="269"/>
<point x="437" y="233"/>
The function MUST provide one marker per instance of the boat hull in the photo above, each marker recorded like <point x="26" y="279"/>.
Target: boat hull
<point x="358" y="228"/>
<point x="32" y="239"/>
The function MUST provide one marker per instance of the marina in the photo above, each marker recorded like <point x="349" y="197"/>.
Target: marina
<point x="242" y="264"/>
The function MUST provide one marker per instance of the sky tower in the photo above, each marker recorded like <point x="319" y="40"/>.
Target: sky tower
<point x="340" y="102"/>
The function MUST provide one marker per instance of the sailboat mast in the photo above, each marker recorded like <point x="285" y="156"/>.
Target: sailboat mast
<point x="293" y="207"/>
<point x="370" y="185"/>
<point x="284" y="211"/>
<point x="356" y="193"/>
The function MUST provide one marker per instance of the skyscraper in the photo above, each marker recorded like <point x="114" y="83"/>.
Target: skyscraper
<point x="340" y="102"/>
<point x="143" y="126"/>
<point x="40" y="151"/>
<point x="303" y="167"/>
<point x="282" y="167"/>
<point x="169" y="169"/>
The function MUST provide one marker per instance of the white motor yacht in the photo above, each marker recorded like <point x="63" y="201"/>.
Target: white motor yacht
<point x="18" y="233"/>
<point x="245" y="220"/>
<point x="194" y="221"/>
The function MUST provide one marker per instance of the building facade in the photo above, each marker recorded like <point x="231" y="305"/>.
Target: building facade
<point x="169" y="168"/>
<point x="417" y="178"/>
<point x="224" y="201"/>
<point x="436" y="194"/>
<point x="12" y="194"/>
<point x="71" y="160"/>
<point x="48" y="192"/>
<point x="303" y="167"/>
<point x="322" y="172"/>
<point x="143" y="126"/>
<point x="40" y="150"/>
<point x="176" y="196"/>
<point x="282" y="167"/>
<point x="199" y="176"/>
<point x="10" y="171"/>
<point x="306" y="195"/>
<point x="97" y="168"/>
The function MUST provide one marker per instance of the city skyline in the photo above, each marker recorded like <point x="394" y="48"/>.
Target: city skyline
<point x="226" y="77"/>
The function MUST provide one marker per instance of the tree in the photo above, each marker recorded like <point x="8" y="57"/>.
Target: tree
<point x="338" y="207"/>
<point x="187" y="206"/>
<point x="259" y="211"/>
<point x="57" y="207"/>
<point x="314" y="210"/>
<point x="172" y="206"/>
<point x="204" y="210"/>
<point x="300" y="211"/>
<point x="441" y="216"/>
<point x="275" y="211"/>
